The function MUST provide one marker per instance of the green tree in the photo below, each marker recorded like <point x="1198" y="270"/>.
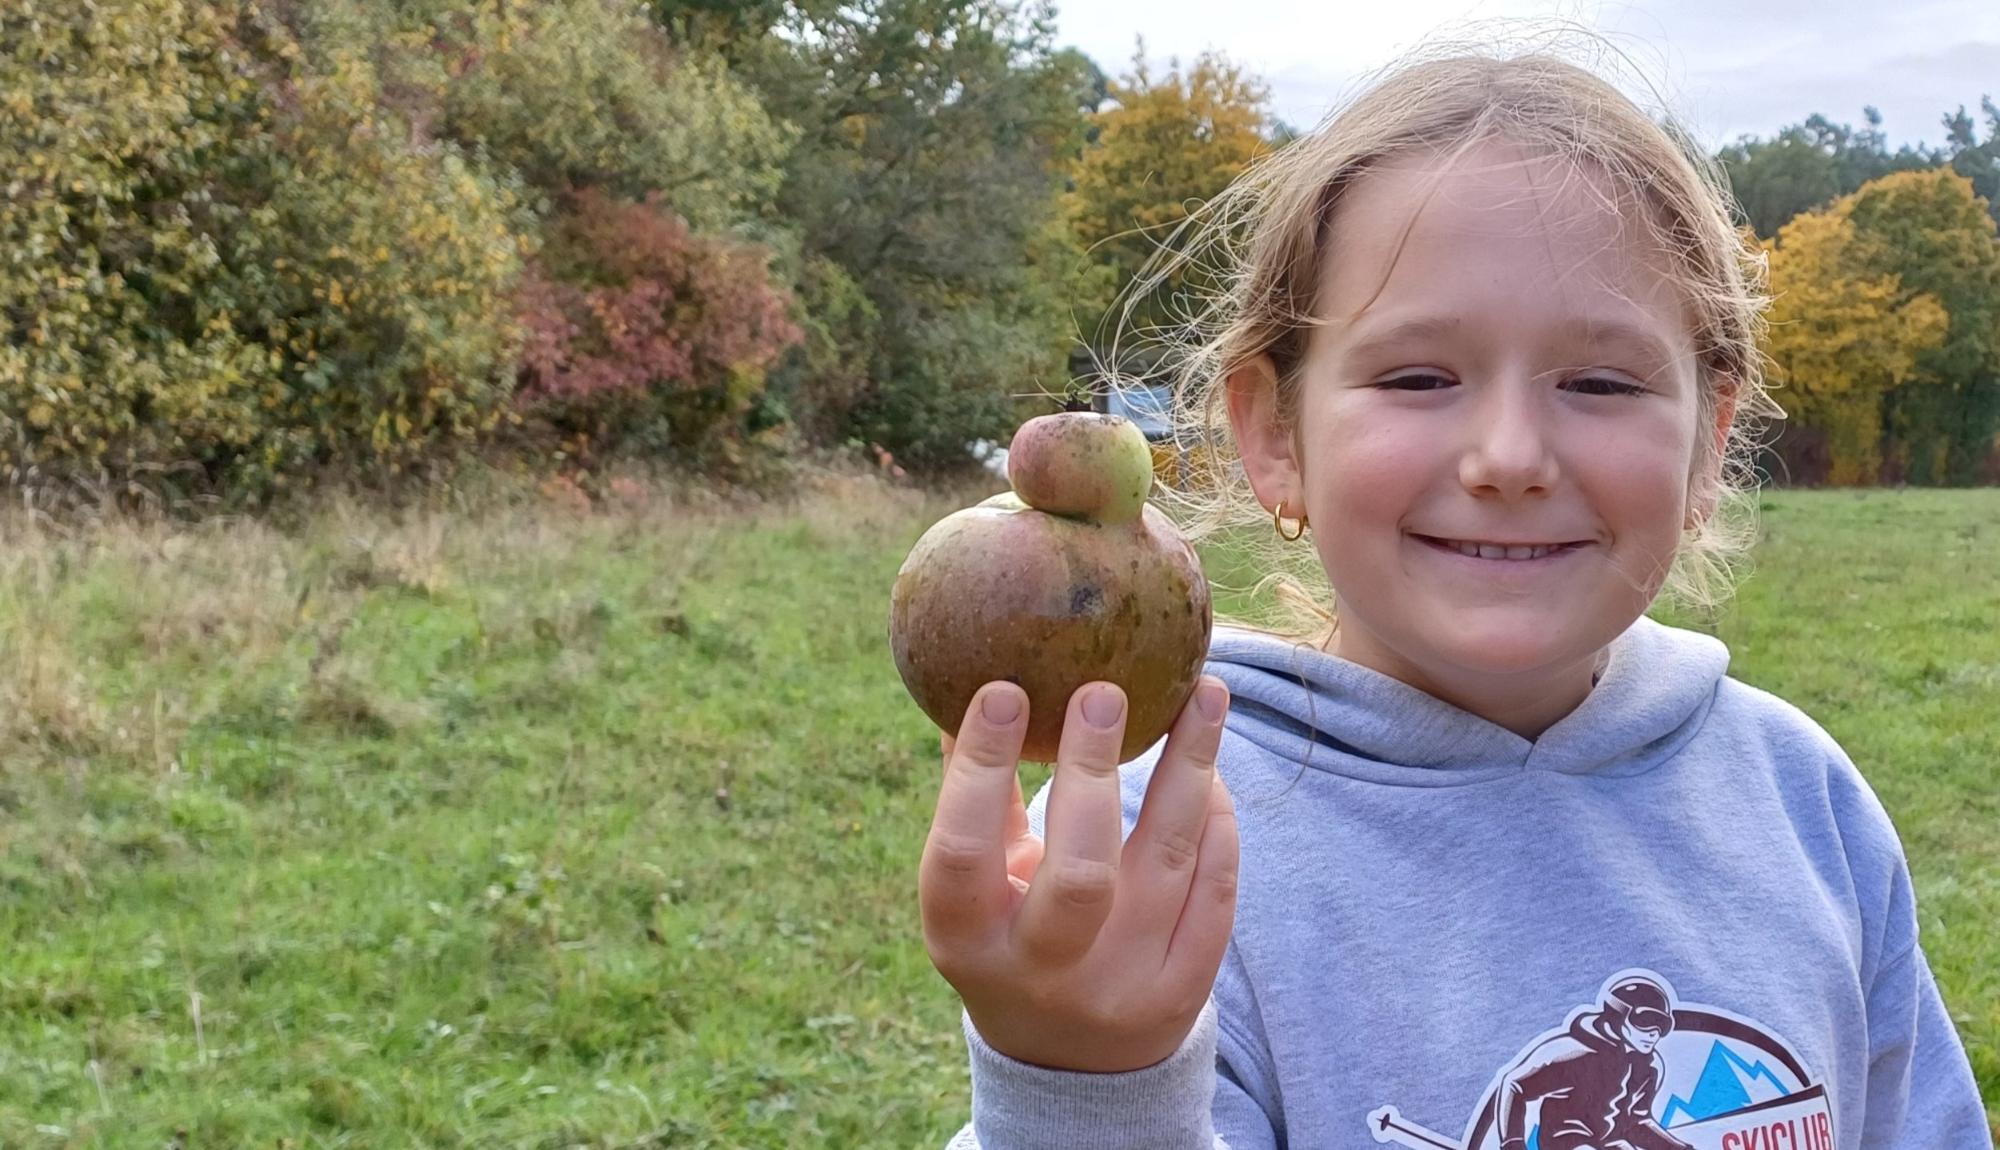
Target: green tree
<point x="1930" y="229"/>
<point x="933" y="139"/>
<point x="1168" y="143"/>
<point x="1808" y="165"/>
<point x="726" y="27"/>
<point x="589" y="93"/>
<point x="1778" y="179"/>
<point x="1975" y="159"/>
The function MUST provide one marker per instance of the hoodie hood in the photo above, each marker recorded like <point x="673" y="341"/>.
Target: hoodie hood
<point x="1333" y="715"/>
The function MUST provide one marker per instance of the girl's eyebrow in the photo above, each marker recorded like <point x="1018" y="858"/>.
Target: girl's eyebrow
<point x="1630" y="337"/>
<point x="1414" y="330"/>
<point x="1591" y="331"/>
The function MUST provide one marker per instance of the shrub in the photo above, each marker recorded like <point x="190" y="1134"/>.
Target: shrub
<point x="230" y="257"/>
<point x="120" y="132"/>
<point x="640" y="332"/>
<point x="383" y="278"/>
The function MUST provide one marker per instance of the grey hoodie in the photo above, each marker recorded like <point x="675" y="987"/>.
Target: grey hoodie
<point x="1678" y="918"/>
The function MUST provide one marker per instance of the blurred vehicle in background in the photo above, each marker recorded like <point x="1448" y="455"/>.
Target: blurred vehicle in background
<point x="1141" y="395"/>
<point x="1146" y="403"/>
<point x="990" y="455"/>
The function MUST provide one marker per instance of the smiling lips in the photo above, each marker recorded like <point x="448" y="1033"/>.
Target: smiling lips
<point x="1515" y="551"/>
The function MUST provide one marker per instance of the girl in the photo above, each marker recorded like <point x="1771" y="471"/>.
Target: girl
<point x="1519" y="866"/>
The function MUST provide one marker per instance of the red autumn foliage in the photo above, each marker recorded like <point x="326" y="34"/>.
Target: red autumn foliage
<point x="626" y="298"/>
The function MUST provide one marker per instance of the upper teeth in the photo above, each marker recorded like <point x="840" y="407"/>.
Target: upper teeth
<point x="1494" y="551"/>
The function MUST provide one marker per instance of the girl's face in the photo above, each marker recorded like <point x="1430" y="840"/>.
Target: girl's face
<point x="1494" y="450"/>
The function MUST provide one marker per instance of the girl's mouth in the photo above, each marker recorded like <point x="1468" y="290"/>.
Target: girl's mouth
<point x="1503" y="552"/>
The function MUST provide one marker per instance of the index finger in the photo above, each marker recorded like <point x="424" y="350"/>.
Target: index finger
<point x="1017" y="806"/>
<point x="962" y="881"/>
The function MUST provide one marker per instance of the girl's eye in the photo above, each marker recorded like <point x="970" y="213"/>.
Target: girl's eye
<point x="1586" y="385"/>
<point x="1415" y="383"/>
<point x="1599" y="385"/>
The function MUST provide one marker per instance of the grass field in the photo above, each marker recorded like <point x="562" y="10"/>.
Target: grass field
<point x="542" y="829"/>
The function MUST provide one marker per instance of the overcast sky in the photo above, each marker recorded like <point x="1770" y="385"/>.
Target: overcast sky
<point x="1727" y="67"/>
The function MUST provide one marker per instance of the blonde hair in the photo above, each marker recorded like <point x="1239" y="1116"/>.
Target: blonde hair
<point x="1263" y="245"/>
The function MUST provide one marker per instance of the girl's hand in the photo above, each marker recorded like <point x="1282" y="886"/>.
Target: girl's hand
<point x="1079" y="952"/>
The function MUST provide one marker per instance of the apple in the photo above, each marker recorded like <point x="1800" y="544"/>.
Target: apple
<point x="1081" y="463"/>
<point x="1071" y="577"/>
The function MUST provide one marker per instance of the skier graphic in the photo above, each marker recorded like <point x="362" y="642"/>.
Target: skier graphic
<point x="1629" y="1065"/>
<point x="1596" y="1083"/>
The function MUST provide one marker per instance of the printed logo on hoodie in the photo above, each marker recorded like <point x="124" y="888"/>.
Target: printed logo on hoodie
<point x="1640" y="1069"/>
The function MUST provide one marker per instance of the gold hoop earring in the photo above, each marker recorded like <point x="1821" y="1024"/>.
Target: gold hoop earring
<point x="1280" y="528"/>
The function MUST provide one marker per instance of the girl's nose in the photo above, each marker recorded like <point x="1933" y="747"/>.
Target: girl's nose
<point x="1509" y="449"/>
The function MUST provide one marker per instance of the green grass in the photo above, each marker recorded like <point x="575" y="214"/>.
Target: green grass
<point x="535" y="829"/>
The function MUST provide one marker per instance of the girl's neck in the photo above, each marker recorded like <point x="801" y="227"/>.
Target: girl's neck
<point x="1526" y="704"/>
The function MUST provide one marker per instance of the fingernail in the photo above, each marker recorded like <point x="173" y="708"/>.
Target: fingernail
<point x="1210" y="697"/>
<point x="1000" y="706"/>
<point x="1102" y="707"/>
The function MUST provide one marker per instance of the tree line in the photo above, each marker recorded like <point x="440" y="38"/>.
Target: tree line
<point x="253" y="245"/>
<point x="1885" y="321"/>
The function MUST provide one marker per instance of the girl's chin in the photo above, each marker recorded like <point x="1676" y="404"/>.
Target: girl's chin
<point x="1496" y="648"/>
<point x="1442" y="640"/>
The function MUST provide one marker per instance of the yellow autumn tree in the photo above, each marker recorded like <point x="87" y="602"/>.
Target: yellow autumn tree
<point x="1168" y="143"/>
<point x="1842" y="336"/>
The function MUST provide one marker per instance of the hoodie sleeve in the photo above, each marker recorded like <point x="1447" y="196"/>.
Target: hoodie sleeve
<point x="1920" y="1087"/>
<point x="1190" y="1101"/>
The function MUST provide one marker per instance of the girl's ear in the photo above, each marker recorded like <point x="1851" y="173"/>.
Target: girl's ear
<point x="1708" y="485"/>
<point x="1266" y="447"/>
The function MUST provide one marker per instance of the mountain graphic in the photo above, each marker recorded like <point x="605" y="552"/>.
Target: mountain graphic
<point x="1727" y="1083"/>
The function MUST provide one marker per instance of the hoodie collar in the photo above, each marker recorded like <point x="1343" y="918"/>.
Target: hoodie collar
<point x="1338" y="716"/>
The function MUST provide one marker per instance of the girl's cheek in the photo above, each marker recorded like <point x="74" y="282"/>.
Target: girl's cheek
<point x="1646" y="473"/>
<point x="1374" y="460"/>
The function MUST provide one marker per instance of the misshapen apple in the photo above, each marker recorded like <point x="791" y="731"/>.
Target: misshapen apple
<point x="1071" y="577"/>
